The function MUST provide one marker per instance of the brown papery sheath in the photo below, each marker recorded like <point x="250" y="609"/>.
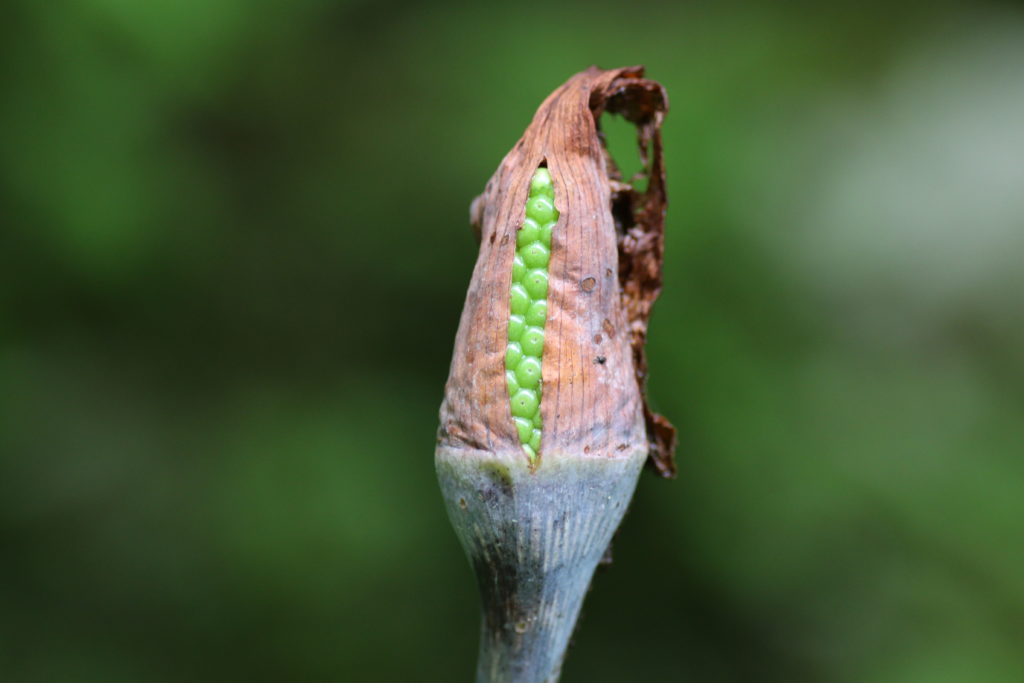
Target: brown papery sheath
<point x="604" y="275"/>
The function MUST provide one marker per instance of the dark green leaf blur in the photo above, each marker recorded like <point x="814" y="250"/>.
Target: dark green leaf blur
<point x="234" y="250"/>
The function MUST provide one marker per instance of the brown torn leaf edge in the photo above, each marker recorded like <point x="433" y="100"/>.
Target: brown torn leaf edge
<point x="640" y="227"/>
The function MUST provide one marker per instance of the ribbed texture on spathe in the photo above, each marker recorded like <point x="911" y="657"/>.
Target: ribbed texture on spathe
<point x="534" y="539"/>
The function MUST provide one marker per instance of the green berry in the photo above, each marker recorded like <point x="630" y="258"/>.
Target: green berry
<point x="530" y="232"/>
<point x="536" y="255"/>
<point x="524" y="403"/>
<point x="512" y="382"/>
<point x="537" y="313"/>
<point x="534" y="439"/>
<point x="545" y="233"/>
<point x="516" y="326"/>
<point x="541" y="183"/>
<point x="536" y="284"/>
<point x="532" y="342"/>
<point x="528" y="373"/>
<point x="536" y="420"/>
<point x="530" y="453"/>
<point x="525" y="428"/>
<point x="518" y="268"/>
<point x="519" y="301"/>
<point x="513" y="354"/>
<point x="540" y="209"/>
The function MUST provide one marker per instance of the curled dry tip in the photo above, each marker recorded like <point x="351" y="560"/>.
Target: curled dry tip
<point x="544" y="425"/>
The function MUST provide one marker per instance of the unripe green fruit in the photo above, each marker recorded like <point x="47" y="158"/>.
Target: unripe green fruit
<point x="516" y="327"/>
<point x="525" y="428"/>
<point x="525" y="403"/>
<point x="537" y="313"/>
<point x="513" y="354"/>
<point x="536" y="255"/>
<point x="529" y="232"/>
<point x="540" y="209"/>
<point x="536" y="283"/>
<point x="513" y="383"/>
<point x="545" y="233"/>
<point x="528" y="373"/>
<point x="541" y="183"/>
<point x="518" y="268"/>
<point x="520" y="300"/>
<point x="528" y="312"/>
<point x="532" y="342"/>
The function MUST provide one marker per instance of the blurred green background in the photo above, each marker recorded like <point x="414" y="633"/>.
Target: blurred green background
<point x="233" y="253"/>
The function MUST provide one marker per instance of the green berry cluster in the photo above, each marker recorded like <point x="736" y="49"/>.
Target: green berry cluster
<point x="529" y="309"/>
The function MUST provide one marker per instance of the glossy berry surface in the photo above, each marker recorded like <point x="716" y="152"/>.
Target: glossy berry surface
<point x="528" y="312"/>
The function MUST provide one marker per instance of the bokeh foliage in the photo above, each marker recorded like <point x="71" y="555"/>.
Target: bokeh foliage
<point x="233" y="252"/>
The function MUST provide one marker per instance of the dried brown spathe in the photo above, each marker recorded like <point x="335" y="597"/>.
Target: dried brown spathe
<point x="605" y="273"/>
